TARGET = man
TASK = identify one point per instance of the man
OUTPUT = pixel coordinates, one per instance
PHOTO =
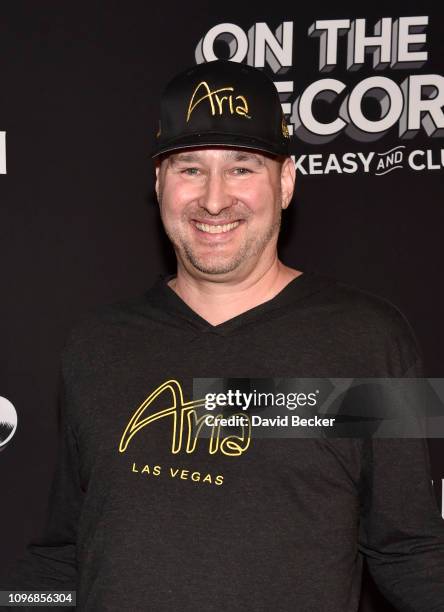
(224, 269)
(149, 512)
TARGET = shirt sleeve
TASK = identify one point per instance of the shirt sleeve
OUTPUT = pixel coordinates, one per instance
(49, 563)
(401, 529)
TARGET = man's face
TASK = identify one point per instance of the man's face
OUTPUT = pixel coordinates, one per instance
(221, 207)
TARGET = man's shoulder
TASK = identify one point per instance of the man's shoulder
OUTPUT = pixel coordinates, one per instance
(358, 305)
(100, 327)
(359, 317)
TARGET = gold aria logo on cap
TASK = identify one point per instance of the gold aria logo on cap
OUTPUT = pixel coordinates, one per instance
(218, 104)
(285, 131)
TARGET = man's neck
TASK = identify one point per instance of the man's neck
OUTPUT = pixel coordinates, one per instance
(217, 302)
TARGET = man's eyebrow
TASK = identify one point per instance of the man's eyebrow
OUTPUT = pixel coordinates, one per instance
(183, 157)
(231, 155)
(245, 156)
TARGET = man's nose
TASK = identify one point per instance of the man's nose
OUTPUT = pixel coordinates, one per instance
(216, 196)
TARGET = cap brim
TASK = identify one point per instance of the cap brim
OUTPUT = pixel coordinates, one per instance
(230, 140)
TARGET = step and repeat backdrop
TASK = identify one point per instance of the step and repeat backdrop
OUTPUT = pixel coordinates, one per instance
(362, 88)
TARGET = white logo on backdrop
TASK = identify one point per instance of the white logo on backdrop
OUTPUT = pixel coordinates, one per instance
(8, 421)
(414, 105)
(2, 152)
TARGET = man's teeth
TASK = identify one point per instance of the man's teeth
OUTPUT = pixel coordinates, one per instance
(216, 229)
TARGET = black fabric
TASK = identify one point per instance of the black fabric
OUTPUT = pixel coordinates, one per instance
(283, 526)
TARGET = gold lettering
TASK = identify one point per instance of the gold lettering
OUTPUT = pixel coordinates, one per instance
(234, 445)
(242, 109)
(220, 103)
(195, 425)
(207, 96)
(214, 99)
(183, 414)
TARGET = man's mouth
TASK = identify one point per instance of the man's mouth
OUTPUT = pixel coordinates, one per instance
(216, 229)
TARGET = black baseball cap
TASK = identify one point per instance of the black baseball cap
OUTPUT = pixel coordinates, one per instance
(222, 103)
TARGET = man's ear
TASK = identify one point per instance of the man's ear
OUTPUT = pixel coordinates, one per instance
(288, 179)
(157, 188)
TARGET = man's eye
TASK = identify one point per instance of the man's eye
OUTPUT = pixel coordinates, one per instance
(191, 171)
(241, 171)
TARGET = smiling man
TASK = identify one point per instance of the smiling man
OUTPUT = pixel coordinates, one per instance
(223, 178)
(238, 226)
(147, 513)
(221, 209)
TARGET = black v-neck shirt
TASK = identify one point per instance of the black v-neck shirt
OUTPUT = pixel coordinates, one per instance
(140, 521)
(299, 287)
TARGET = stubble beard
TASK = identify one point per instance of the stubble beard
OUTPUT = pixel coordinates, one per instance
(252, 248)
